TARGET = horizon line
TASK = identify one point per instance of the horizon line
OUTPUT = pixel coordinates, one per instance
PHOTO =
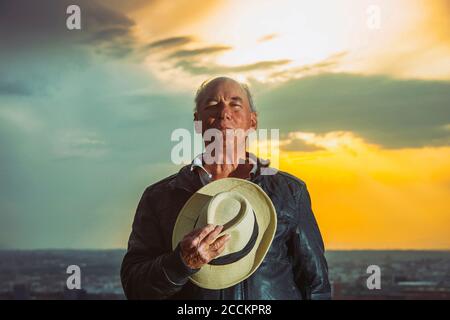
(124, 249)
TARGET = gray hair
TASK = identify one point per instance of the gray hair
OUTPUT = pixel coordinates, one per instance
(201, 92)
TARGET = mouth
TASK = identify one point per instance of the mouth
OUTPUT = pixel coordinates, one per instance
(223, 129)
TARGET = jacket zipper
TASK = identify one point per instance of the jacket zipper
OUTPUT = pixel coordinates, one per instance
(244, 290)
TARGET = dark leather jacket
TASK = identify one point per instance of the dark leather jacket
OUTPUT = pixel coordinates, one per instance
(294, 267)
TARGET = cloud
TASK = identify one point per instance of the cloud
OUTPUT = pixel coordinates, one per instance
(67, 117)
(171, 42)
(296, 144)
(34, 24)
(182, 68)
(268, 37)
(323, 66)
(330, 141)
(70, 144)
(110, 35)
(413, 42)
(14, 88)
(22, 118)
(160, 19)
(197, 68)
(391, 112)
(199, 51)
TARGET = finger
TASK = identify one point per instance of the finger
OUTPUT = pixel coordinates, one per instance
(212, 235)
(203, 233)
(219, 251)
(188, 239)
(220, 242)
(195, 232)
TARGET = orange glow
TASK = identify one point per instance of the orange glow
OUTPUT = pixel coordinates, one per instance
(366, 197)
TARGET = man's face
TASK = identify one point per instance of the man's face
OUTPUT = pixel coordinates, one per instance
(225, 106)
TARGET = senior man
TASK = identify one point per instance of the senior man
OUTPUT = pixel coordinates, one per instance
(292, 266)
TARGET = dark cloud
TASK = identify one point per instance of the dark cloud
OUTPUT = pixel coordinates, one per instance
(189, 60)
(14, 88)
(261, 65)
(171, 42)
(391, 112)
(199, 52)
(129, 5)
(197, 68)
(108, 34)
(97, 16)
(28, 24)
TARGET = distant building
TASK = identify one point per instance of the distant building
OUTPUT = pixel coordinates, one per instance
(75, 294)
(21, 291)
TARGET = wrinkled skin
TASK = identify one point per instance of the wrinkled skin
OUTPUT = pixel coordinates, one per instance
(202, 245)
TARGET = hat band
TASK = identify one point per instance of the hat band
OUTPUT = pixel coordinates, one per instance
(238, 255)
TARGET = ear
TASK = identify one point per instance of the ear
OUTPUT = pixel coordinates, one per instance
(254, 120)
(197, 124)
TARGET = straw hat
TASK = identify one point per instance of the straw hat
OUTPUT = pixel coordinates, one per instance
(247, 214)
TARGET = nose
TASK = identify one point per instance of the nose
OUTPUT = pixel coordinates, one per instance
(224, 111)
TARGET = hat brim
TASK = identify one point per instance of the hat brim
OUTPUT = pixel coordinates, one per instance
(224, 276)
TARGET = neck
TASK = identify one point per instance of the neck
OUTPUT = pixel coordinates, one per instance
(232, 169)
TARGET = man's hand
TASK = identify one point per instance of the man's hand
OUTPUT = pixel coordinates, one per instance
(201, 246)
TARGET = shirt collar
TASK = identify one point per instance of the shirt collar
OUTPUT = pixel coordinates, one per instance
(205, 176)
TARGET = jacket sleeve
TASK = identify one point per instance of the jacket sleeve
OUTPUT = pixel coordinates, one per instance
(310, 265)
(149, 271)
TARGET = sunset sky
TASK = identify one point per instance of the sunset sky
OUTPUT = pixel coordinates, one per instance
(363, 111)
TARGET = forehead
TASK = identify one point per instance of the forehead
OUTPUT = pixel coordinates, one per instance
(224, 88)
